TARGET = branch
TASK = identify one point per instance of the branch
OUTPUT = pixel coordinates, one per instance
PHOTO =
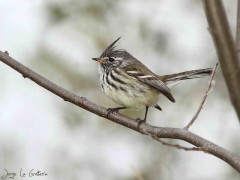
(179, 146)
(238, 33)
(210, 86)
(223, 40)
(159, 132)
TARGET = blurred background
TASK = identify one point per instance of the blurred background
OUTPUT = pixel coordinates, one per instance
(57, 39)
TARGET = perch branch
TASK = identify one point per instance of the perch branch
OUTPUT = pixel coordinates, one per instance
(159, 132)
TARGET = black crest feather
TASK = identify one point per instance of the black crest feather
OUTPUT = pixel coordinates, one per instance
(109, 49)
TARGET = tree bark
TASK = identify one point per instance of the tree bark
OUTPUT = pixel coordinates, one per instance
(226, 50)
(238, 33)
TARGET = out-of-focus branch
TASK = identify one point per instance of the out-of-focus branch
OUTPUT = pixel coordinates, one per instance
(158, 132)
(238, 33)
(226, 50)
(210, 86)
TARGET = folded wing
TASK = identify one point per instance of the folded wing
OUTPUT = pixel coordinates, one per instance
(149, 78)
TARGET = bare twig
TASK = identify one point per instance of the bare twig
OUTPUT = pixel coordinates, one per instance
(210, 86)
(226, 49)
(160, 132)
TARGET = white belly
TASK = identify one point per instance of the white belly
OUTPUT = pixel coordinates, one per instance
(136, 95)
(130, 99)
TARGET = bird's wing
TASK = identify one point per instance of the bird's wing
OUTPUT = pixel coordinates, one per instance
(146, 76)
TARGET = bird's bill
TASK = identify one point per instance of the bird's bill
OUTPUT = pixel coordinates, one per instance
(99, 60)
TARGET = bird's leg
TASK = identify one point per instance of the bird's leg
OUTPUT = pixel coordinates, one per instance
(112, 110)
(140, 121)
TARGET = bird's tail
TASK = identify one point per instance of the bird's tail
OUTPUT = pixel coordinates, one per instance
(173, 78)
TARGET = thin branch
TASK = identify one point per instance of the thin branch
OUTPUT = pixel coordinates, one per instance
(226, 49)
(160, 132)
(210, 87)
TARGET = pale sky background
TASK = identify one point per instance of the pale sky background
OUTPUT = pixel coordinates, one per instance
(34, 131)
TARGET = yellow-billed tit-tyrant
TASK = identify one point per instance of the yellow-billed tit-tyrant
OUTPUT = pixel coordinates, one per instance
(129, 83)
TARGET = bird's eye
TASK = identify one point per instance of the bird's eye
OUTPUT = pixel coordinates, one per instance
(111, 59)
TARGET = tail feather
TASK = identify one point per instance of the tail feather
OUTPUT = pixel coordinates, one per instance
(173, 78)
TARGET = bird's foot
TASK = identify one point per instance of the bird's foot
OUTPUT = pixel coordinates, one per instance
(113, 110)
(140, 121)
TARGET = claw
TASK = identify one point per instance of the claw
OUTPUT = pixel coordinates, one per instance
(114, 110)
(140, 121)
(111, 110)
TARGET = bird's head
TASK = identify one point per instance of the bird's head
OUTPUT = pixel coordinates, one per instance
(112, 58)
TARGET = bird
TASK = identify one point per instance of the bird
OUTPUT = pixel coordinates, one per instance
(129, 83)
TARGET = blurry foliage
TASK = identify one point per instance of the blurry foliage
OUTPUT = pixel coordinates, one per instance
(73, 118)
(157, 38)
(60, 71)
(94, 9)
(94, 18)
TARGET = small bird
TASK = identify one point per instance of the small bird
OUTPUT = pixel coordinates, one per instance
(128, 82)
